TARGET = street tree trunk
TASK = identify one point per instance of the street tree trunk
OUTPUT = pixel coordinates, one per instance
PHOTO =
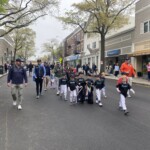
(102, 54)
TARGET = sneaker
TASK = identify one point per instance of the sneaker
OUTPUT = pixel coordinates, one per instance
(19, 107)
(129, 96)
(45, 89)
(37, 97)
(105, 96)
(126, 112)
(57, 93)
(14, 103)
(100, 104)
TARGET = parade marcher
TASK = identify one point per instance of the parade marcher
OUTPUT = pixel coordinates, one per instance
(72, 89)
(81, 88)
(89, 79)
(99, 85)
(123, 88)
(63, 86)
(102, 77)
(89, 92)
(38, 75)
(16, 78)
(47, 77)
(30, 68)
(127, 68)
(52, 79)
(58, 74)
(148, 71)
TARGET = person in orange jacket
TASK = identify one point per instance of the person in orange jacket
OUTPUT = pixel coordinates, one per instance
(127, 69)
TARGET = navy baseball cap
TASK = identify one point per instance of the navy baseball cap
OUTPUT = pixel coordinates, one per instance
(18, 59)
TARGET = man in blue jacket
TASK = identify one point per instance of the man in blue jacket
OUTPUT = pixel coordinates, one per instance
(16, 78)
(39, 74)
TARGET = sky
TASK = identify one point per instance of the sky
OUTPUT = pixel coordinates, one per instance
(48, 27)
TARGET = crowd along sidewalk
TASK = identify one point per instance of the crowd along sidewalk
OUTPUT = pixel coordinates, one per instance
(137, 80)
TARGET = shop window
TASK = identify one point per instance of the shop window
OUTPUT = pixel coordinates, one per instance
(146, 27)
(94, 45)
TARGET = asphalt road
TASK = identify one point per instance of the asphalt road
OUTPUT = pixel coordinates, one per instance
(52, 124)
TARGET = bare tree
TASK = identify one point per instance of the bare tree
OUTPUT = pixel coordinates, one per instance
(21, 13)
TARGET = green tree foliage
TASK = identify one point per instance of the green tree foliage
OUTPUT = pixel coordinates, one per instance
(24, 42)
(21, 13)
(100, 17)
(55, 49)
(3, 3)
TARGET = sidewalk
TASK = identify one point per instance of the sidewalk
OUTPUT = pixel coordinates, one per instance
(1, 75)
(140, 81)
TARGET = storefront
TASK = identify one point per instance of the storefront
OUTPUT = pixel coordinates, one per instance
(73, 60)
(114, 56)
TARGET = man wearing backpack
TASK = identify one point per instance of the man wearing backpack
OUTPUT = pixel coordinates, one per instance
(16, 78)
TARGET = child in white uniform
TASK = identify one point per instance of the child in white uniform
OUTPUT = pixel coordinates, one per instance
(72, 89)
(123, 88)
(63, 87)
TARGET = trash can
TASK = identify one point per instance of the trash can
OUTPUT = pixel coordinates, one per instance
(1, 69)
(139, 74)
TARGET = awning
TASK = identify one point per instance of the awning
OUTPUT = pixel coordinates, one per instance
(140, 53)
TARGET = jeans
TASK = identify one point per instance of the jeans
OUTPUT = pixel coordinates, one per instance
(39, 85)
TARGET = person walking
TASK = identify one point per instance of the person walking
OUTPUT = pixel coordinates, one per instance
(127, 68)
(16, 78)
(148, 71)
(47, 77)
(30, 67)
(38, 74)
(116, 69)
(58, 74)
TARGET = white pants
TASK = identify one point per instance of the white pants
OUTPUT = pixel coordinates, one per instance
(57, 84)
(122, 102)
(104, 91)
(63, 90)
(73, 96)
(98, 94)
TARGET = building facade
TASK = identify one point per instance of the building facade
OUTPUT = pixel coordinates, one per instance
(6, 48)
(142, 35)
(119, 44)
(73, 47)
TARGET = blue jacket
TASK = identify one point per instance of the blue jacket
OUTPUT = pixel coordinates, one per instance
(39, 71)
(17, 75)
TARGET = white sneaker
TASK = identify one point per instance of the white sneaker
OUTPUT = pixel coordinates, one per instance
(14, 103)
(105, 96)
(19, 107)
(57, 93)
(37, 97)
(100, 104)
(129, 96)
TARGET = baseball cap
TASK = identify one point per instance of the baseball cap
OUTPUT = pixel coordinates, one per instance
(18, 59)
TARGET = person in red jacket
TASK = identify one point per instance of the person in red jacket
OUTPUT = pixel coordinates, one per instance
(127, 69)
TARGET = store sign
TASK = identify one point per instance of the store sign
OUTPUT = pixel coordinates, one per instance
(72, 57)
(113, 52)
